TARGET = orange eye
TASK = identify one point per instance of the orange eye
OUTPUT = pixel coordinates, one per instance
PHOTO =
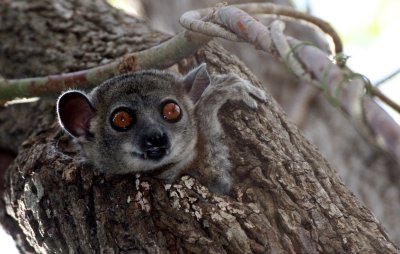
(121, 120)
(171, 112)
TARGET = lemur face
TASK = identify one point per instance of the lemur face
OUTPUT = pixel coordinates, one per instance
(146, 120)
(133, 123)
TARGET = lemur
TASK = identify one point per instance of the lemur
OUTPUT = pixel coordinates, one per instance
(158, 123)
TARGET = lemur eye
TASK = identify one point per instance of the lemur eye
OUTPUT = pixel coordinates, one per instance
(171, 112)
(121, 120)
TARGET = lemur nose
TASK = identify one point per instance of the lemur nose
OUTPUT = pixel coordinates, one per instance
(155, 139)
(155, 145)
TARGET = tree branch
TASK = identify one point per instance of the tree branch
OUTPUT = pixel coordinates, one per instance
(341, 87)
(159, 57)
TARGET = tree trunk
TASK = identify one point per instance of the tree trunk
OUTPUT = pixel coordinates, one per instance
(286, 197)
(369, 172)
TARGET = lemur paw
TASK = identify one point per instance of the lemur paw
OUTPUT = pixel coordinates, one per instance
(256, 92)
(252, 94)
(247, 92)
(232, 87)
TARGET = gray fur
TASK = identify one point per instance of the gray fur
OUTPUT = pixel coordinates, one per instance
(143, 92)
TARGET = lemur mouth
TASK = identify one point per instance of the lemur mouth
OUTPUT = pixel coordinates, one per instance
(155, 153)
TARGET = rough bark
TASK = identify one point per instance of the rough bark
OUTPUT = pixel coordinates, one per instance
(286, 197)
(369, 172)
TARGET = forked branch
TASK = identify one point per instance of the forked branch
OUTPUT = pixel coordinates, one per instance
(158, 57)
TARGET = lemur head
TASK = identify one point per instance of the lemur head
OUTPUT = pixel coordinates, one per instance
(136, 122)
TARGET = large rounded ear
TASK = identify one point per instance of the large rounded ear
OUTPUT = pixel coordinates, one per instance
(196, 81)
(75, 112)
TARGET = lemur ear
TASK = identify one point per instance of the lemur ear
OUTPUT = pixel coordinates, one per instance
(196, 81)
(75, 112)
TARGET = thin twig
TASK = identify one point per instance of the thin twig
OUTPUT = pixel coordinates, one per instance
(392, 75)
(376, 92)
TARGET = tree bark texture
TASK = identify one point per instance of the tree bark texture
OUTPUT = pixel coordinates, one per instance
(286, 199)
(369, 172)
